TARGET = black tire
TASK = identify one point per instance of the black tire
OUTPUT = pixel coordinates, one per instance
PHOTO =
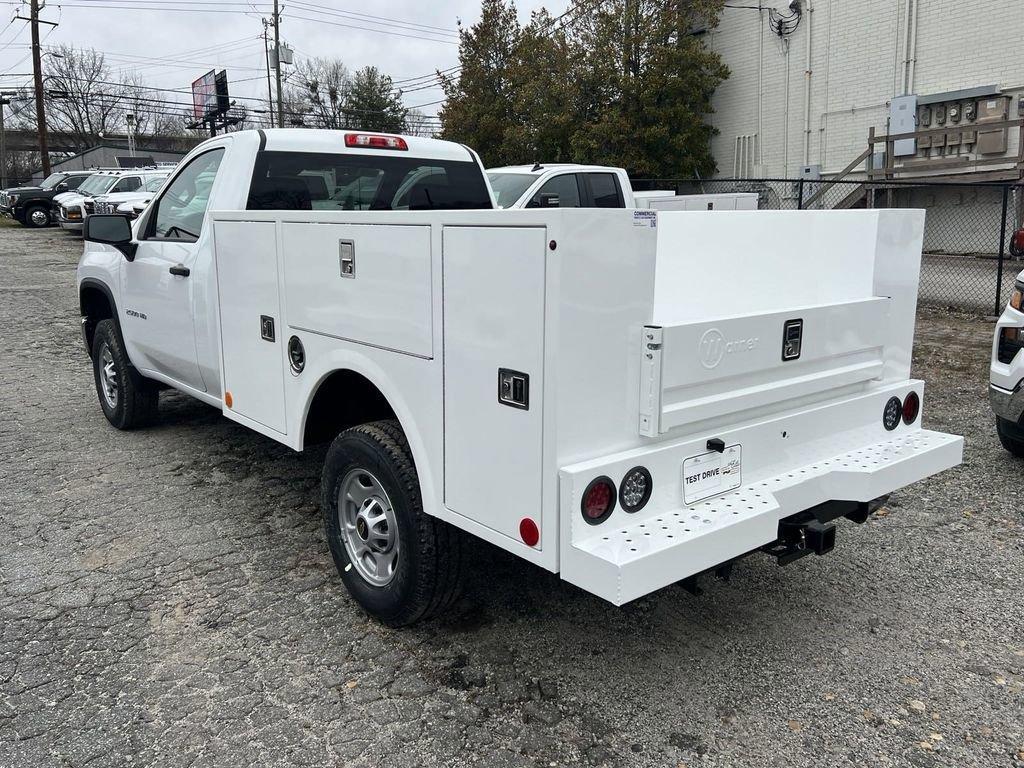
(1010, 437)
(38, 216)
(427, 574)
(135, 398)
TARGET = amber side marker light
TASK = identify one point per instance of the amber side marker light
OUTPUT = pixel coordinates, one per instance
(228, 400)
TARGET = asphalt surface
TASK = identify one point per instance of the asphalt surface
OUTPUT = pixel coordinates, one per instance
(166, 598)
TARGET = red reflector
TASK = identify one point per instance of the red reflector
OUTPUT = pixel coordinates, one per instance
(598, 500)
(911, 407)
(375, 141)
(528, 532)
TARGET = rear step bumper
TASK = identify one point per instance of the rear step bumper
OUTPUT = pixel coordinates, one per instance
(628, 561)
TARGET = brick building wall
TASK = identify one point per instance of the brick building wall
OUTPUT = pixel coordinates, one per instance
(857, 65)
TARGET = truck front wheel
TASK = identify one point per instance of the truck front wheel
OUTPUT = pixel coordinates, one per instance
(398, 563)
(128, 400)
(38, 216)
(1011, 436)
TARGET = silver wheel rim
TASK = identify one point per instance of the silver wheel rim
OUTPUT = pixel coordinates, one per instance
(39, 218)
(368, 527)
(108, 377)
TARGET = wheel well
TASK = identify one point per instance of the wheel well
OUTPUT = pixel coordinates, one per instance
(344, 399)
(96, 306)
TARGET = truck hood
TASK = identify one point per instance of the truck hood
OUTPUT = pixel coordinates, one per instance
(23, 190)
(117, 198)
(71, 198)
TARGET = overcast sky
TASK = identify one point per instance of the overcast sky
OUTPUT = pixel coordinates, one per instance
(159, 40)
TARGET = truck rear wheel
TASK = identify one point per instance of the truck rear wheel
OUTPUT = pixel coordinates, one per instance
(128, 400)
(38, 216)
(398, 563)
(1011, 436)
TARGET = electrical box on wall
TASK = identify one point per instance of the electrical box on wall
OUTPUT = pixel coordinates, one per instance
(903, 119)
(992, 141)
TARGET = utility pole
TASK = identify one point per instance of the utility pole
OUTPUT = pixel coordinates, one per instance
(277, 48)
(4, 101)
(266, 50)
(37, 74)
(130, 120)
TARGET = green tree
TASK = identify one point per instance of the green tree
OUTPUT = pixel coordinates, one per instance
(373, 104)
(545, 101)
(480, 101)
(647, 83)
(618, 82)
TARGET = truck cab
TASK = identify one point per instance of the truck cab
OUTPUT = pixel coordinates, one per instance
(561, 186)
(628, 398)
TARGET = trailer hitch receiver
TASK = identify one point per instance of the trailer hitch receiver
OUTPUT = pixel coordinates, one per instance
(801, 535)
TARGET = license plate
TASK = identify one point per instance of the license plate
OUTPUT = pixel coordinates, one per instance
(712, 473)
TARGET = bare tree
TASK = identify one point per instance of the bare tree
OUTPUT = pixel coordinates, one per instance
(418, 124)
(87, 101)
(320, 93)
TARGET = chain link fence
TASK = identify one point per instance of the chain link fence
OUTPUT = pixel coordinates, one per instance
(966, 263)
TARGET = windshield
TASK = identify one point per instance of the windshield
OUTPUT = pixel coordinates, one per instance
(351, 182)
(154, 184)
(52, 180)
(97, 185)
(509, 187)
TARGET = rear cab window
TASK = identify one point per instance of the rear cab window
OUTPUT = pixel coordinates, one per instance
(323, 181)
(604, 190)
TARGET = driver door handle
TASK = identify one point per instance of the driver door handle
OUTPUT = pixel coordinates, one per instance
(180, 270)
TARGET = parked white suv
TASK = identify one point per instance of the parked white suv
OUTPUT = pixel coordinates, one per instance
(73, 209)
(1006, 375)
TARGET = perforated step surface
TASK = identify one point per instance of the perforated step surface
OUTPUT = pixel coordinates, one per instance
(626, 544)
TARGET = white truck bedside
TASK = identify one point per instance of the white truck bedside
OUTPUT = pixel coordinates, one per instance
(625, 397)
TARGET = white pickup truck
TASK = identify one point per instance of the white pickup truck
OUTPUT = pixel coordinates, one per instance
(567, 185)
(628, 398)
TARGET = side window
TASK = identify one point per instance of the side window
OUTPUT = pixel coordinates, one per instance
(560, 192)
(604, 189)
(74, 182)
(127, 184)
(180, 210)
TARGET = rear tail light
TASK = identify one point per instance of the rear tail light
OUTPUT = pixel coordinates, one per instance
(375, 141)
(635, 490)
(892, 414)
(911, 408)
(598, 500)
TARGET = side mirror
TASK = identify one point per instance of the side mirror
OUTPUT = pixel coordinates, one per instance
(549, 200)
(110, 229)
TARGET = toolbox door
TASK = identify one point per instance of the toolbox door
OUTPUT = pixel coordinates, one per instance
(493, 374)
(250, 324)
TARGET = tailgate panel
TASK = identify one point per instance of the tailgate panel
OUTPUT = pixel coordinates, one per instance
(702, 370)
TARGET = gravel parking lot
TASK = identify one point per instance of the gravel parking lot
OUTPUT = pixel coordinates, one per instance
(167, 598)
